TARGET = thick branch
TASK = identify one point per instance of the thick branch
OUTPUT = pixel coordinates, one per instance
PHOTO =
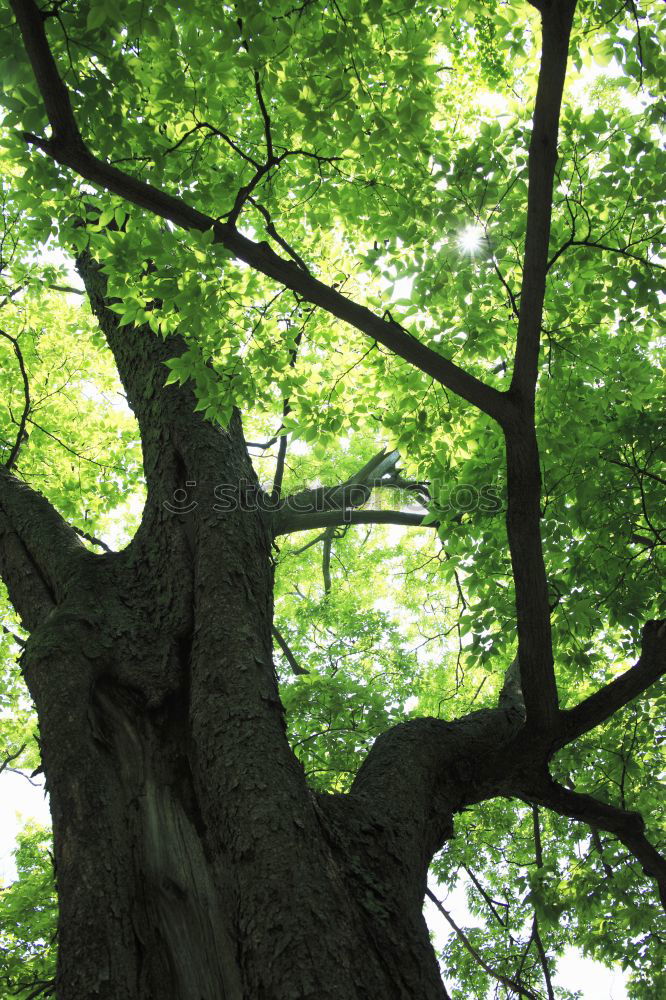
(290, 521)
(523, 522)
(67, 148)
(418, 774)
(523, 469)
(556, 20)
(629, 827)
(601, 705)
(326, 560)
(38, 550)
(20, 434)
(170, 429)
(337, 506)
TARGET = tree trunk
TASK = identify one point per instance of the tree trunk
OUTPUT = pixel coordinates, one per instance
(192, 861)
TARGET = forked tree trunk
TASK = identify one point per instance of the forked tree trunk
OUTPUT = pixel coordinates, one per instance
(192, 861)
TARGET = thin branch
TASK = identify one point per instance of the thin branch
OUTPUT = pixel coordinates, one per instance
(636, 469)
(286, 410)
(72, 451)
(14, 637)
(596, 840)
(272, 231)
(308, 545)
(288, 655)
(70, 289)
(593, 244)
(92, 539)
(217, 132)
(12, 757)
(538, 855)
(492, 903)
(510, 984)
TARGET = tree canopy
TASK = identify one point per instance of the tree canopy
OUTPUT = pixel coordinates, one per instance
(344, 210)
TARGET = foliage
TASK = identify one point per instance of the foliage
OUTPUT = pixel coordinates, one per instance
(370, 139)
(27, 919)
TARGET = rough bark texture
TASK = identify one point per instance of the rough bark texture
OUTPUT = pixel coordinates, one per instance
(192, 859)
(193, 862)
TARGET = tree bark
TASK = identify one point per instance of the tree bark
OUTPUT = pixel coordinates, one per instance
(192, 860)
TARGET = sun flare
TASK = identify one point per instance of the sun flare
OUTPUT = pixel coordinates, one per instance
(470, 239)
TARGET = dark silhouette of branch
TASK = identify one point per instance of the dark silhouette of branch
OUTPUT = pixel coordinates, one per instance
(92, 539)
(599, 847)
(21, 433)
(12, 757)
(556, 18)
(637, 470)
(68, 148)
(212, 130)
(326, 559)
(15, 638)
(541, 951)
(286, 410)
(596, 245)
(68, 288)
(72, 451)
(491, 903)
(535, 648)
(272, 232)
(601, 705)
(288, 655)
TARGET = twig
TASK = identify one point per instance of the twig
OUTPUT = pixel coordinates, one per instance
(12, 757)
(289, 656)
(92, 539)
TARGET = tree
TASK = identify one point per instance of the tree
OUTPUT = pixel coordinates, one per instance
(265, 204)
